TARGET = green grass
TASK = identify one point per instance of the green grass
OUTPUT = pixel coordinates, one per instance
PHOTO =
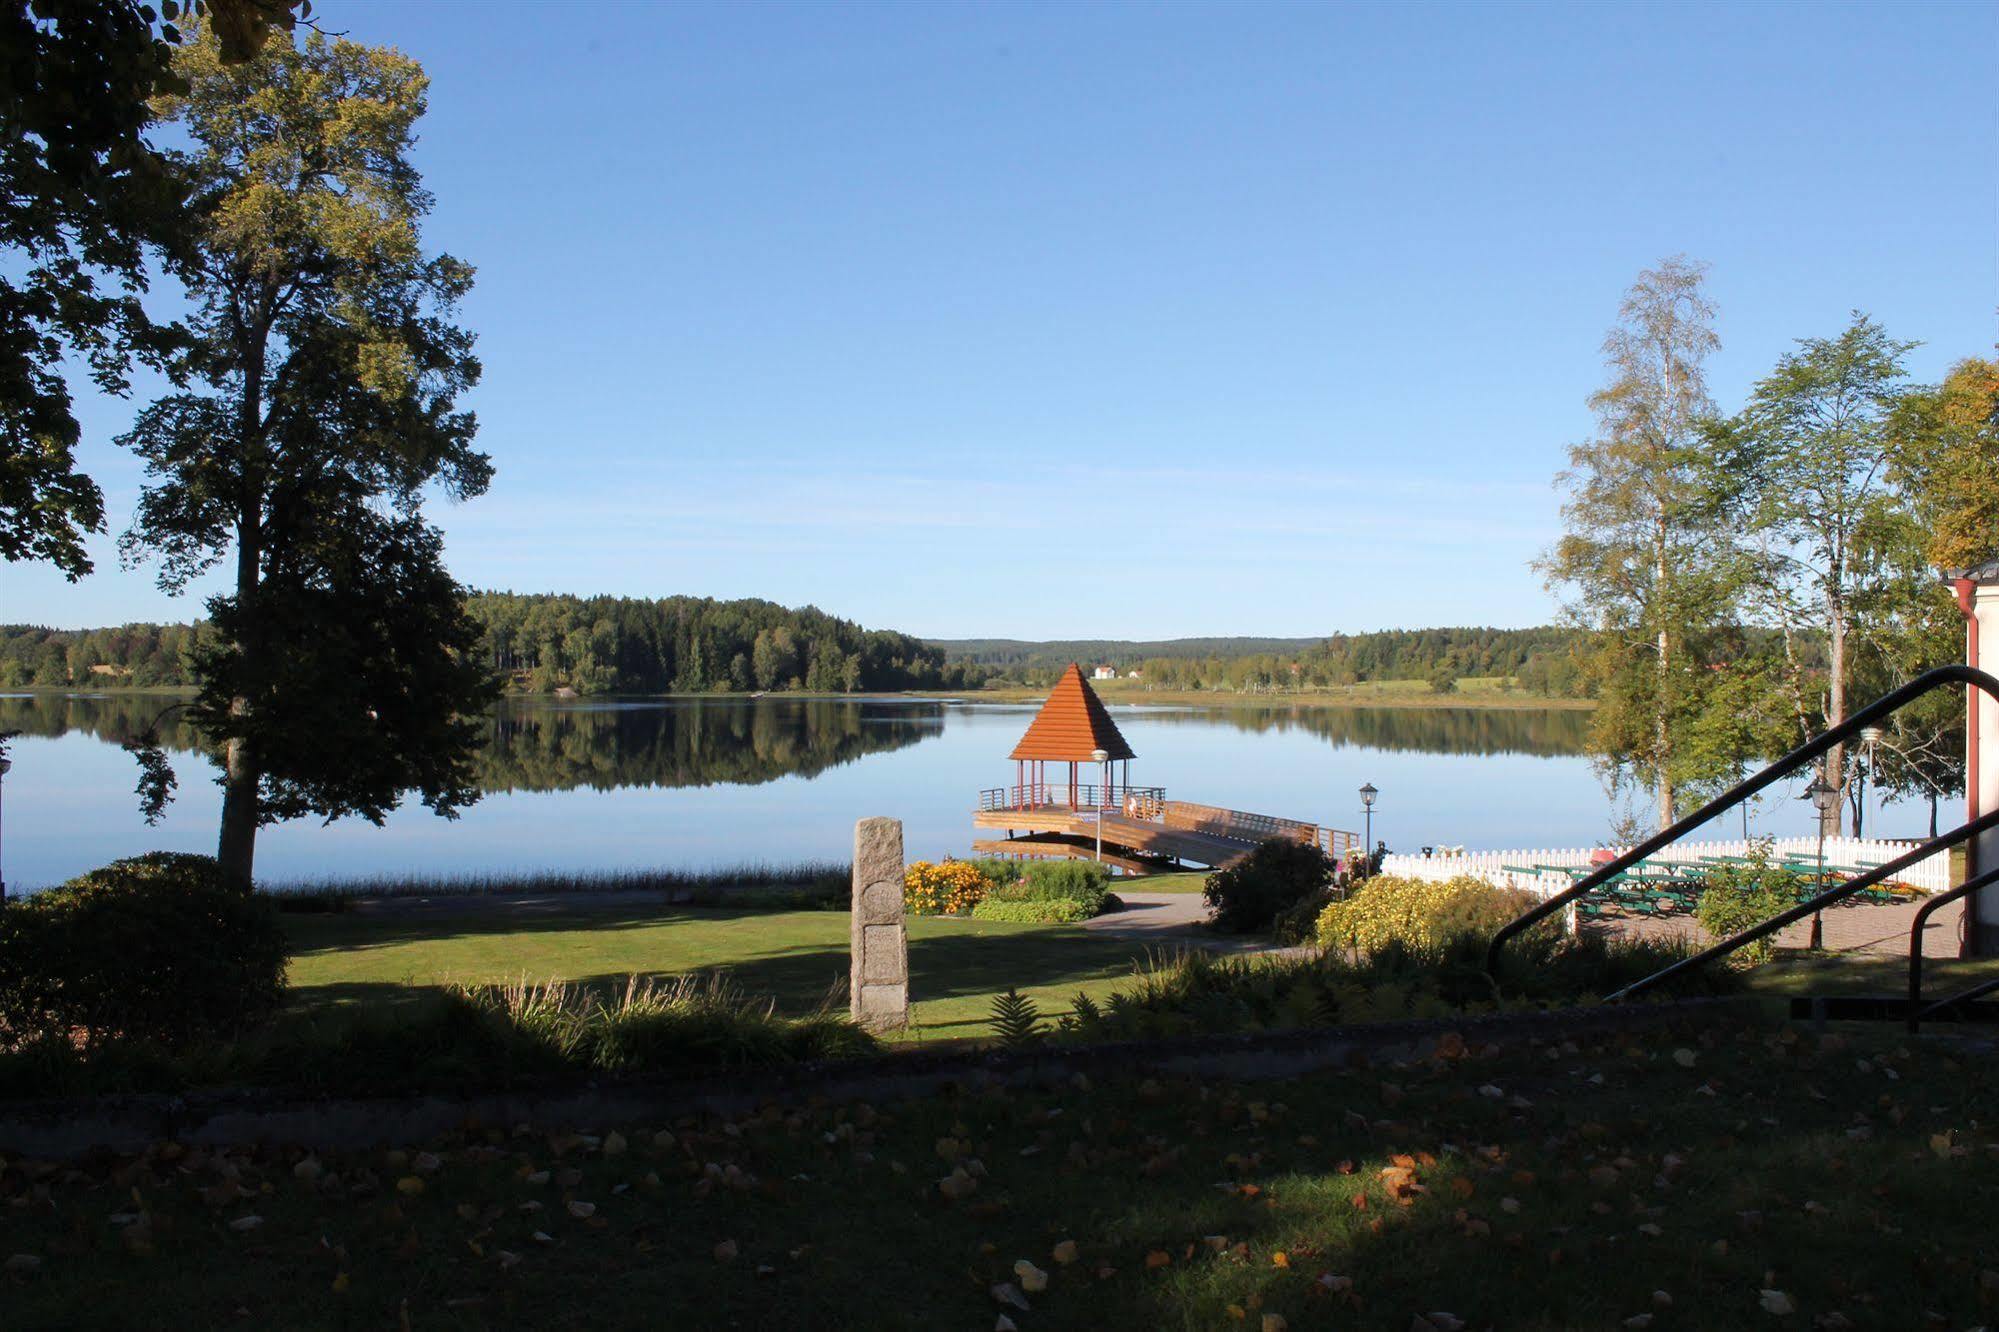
(1848, 1176)
(956, 966)
(1188, 881)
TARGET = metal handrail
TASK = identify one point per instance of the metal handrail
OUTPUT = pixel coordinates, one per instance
(1964, 832)
(1923, 913)
(1884, 706)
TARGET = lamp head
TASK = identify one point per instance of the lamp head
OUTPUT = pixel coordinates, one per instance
(1822, 796)
(1099, 756)
(1367, 795)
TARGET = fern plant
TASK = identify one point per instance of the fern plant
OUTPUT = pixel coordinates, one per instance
(1016, 1021)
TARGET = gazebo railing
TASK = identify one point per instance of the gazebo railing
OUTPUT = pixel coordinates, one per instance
(1088, 795)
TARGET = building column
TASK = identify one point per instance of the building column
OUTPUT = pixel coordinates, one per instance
(1982, 755)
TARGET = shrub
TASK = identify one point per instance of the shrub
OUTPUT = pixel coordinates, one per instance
(1052, 911)
(1250, 894)
(153, 949)
(1016, 1021)
(950, 889)
(1299, 922)
(1198, 992)
(1418, 913)
(1739, 896)
(659, 1026)
(1082, 884)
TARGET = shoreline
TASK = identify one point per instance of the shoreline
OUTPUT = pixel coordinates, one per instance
(1112, 695)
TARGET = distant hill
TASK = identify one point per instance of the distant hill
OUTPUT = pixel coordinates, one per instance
(1122, 653)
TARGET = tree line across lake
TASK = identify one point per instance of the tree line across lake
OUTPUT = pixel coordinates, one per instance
(542, 643)
(691, 645)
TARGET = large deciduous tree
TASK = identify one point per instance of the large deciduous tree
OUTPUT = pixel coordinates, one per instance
(344, 670)
(82, 196)
(1809, 461)
(1640, 565)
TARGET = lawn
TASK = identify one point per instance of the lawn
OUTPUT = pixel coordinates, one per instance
(1750, 1177)
(371, 955)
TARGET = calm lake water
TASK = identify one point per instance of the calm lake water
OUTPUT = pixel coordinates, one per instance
(696, 783)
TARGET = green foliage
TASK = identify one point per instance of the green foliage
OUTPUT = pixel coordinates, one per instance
(1252, 893)
(156, 949)
(81, 196)
(458, 1040)
(696, 645)
(1740, 896)
(1542, 659)
(1084, 882)
(315, 407)
(1389, 911)
(1032, 911)
(1201, 993)
(1016, 1022)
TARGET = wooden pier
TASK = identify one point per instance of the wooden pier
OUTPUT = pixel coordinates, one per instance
(1134, 828)
(1142, 831)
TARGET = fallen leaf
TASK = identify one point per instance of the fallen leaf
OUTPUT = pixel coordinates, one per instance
(1008, 1293)
(1065, 1252)
(615, 1144)
(246, 1224)
(409, 1186)
(1684, 1057)
(582, 1210)
(1032, 1279)
(1776, 1302)
(726, 1251)
(23, 1264)
(1157, 1258)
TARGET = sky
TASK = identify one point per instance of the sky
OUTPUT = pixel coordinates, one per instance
(1135, 321)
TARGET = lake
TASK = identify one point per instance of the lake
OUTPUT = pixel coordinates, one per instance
(697, 783)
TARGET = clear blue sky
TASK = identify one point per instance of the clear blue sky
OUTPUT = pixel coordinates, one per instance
(1062, 321)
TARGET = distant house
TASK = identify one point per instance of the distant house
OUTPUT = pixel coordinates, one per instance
(1104, 673)
(1134, 674)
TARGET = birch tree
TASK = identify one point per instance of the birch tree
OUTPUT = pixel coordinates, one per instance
(1809, 461)
(1640, 565)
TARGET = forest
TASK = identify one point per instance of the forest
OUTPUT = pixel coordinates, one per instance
(545, 643)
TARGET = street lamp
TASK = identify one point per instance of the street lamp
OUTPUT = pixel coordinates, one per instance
(5, 765)
(1824, 798)
(1870, 736)
(1103, 761)
(1367, 795)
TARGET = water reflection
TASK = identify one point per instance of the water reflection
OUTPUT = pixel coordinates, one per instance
(538, 745)
(1544, 732)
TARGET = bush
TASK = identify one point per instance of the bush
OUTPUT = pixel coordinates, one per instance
(950, 889)
(1050, 911)
(1418, 913)
(1083, 882)
(153, 949)
(1201, 993)
(1739, 896)
(1299, 923)
(1250, 894)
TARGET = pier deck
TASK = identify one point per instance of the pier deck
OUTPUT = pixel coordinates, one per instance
(1142, 828)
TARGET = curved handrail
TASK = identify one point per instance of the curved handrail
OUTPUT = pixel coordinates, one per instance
(1884, 706)
(1923, 913)
(1964, 832)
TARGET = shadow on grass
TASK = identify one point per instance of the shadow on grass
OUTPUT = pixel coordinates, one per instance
(801, 977)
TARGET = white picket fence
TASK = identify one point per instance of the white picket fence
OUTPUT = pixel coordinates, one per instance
(1930, 875)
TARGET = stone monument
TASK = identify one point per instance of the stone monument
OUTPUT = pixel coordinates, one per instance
(879, 981)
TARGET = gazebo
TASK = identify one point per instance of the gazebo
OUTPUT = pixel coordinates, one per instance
(1073, 727)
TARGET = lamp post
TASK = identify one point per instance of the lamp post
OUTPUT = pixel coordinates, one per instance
(1367, 795)
(1870, 736)
(1103, 762)
(1823, 796)
(5, 764)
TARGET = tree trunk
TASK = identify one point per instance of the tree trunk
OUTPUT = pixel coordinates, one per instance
(1662, 716)
(1835, 759)
(236, 847)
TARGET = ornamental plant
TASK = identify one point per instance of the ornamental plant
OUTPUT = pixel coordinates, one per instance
(1418, 914)
(952, 888)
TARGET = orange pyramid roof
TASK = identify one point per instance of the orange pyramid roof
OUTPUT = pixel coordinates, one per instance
(1071, 725)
